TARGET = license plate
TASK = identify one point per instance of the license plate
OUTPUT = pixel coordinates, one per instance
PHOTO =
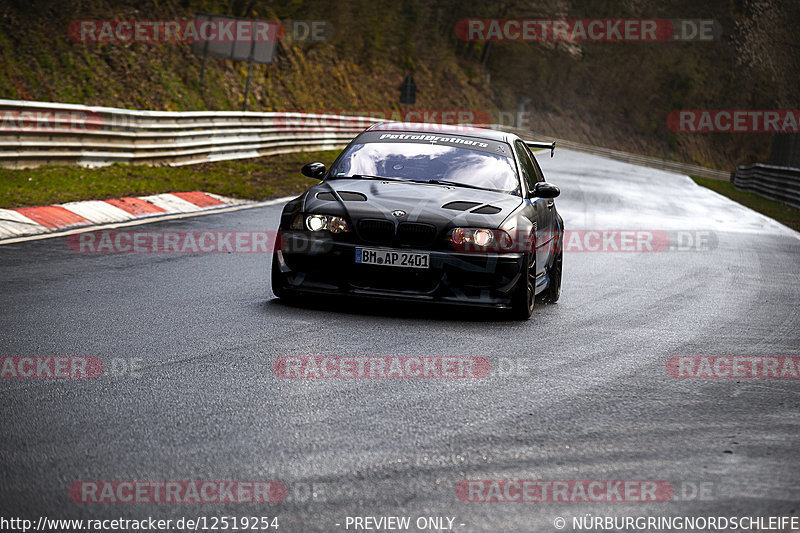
(395, 258)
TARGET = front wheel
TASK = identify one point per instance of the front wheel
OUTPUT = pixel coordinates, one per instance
(523, 299)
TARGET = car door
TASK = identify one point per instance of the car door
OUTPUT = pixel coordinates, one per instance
(538, 206)
(547, 226)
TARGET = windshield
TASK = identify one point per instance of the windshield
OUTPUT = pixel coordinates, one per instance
(426, 162)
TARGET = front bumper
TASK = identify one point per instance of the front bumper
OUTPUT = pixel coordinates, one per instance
(309, 264)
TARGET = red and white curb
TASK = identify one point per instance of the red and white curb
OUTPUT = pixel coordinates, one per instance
(28, 223)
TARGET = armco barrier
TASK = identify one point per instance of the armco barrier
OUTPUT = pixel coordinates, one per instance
(33, 134)
(781, 184)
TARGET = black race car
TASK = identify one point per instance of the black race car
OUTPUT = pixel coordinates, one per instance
(425, 212)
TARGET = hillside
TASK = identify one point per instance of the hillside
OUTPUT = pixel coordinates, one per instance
(611, 94)
(355, 70)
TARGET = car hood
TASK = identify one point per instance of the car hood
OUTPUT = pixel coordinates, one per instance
(441, 205)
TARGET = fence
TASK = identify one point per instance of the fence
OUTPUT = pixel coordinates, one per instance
(33, 134)
(781, 184)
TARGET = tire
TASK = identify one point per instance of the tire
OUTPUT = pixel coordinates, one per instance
(553, 291)
(287, 296)
(277, 285)
(523, 299)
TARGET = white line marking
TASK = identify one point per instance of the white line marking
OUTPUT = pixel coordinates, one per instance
(13, 223)
(225, 199)
(783, 227)
(171, 203)
(98, 211)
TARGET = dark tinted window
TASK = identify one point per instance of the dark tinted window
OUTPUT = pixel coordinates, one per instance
(528, 170)
(423, 162)
(536, 167)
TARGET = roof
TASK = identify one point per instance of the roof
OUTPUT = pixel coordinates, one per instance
(428, 127)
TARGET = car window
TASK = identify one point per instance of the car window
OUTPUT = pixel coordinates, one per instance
(424, 162)
(536, 167)
(525, 163)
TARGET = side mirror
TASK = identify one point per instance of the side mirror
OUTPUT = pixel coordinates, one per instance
(313, 170)
(542, 189)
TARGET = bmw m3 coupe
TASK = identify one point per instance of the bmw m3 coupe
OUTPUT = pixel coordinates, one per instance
(429, 213)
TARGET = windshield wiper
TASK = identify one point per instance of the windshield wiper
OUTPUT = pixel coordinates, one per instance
(435, 182)
(444, 182)
(369, 177)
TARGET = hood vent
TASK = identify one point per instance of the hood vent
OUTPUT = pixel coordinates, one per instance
(352, 196)
(344, 195)
(460, 206)
(487, 210)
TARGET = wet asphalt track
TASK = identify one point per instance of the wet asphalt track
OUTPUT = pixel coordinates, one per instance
(579, 392)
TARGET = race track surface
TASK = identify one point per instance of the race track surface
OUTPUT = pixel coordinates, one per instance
(580, 392)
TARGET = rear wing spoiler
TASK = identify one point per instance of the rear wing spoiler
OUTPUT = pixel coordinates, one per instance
(549, 146)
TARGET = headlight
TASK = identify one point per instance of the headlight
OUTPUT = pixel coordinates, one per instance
(483, 237)
(316, 222)
(480, 240)
(326, 222)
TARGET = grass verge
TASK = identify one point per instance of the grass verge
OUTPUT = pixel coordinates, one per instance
(253, 179)
(783, 213)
